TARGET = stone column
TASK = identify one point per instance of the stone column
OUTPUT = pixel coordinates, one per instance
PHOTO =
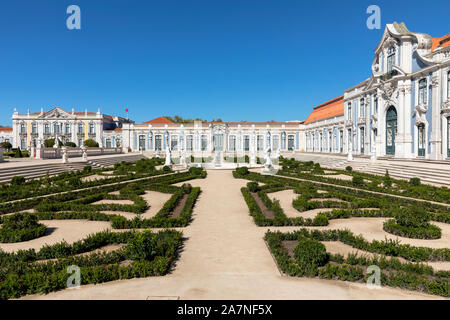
(435, 139)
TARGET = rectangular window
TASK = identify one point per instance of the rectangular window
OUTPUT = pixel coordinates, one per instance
(174, 143)
(276, 142)
(232, 146)
(80, 129)
(361, 139)
(375, 105)
(80, 142)
(118, 142)
(33, 128)
(349, 111)
(260, 142)
(448, 85)
(204, 143)
(158, 141)
(290, 142)
(423, 91)
(23, 129)
(361, 108)
(91, 128)
(46, 129)
(142, 142)
(246, 143)
(23, 144)
(67, 128)
(391, 59)
(56, 128)
(189, 143)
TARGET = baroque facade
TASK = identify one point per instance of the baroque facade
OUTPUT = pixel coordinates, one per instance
(402, 110)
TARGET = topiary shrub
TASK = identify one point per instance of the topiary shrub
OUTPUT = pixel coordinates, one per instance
(387, 181)
(70, 144)
(414, 182)
(141, 247)
(187, 188)
(91, 143)
(166, 169)
(49, 143)
(18, 153)
(195, 170)
(6, 145)
(413, 222)
(87, 169)
(242, 171)
(310, 254)
(253, 186)
(357, 181)
(21, 227)
(348, 169)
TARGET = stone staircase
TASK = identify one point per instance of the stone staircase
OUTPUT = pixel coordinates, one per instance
(36, 171)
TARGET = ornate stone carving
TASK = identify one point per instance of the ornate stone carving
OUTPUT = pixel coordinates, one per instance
(420, 112)
(388, 90)
(434, 82)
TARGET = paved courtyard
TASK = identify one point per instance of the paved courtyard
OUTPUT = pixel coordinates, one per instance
(225, 257)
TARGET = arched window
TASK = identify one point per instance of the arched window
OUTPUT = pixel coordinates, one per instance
(423, 91)
(390, 59)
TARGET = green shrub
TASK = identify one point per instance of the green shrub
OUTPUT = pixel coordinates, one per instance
(187, 188)
(348, 169)
(253, 186)
(21, 227)
(17, 181)
(310, 253)
(387, 181)
(87, 169)
(18, 153)
(414, 181)
(242, 171)
(166, 169)
(70, 144)
(6, 145)
(49, 143)
(413, 216)
(195, 170)
(91, 143)
(357, 181)
(141, 247)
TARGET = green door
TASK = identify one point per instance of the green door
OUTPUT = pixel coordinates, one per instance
(421, 140)
(448, 137)
(391, 130)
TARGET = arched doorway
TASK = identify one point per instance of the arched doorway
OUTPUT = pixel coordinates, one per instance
(391, 130)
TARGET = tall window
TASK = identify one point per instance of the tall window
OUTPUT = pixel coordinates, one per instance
(67, 128)
(232, 146)
(423, 91)
(189, 143)
(361, 139)
(391, 59)
(158, 142)
(91, 128)
(448, 85)
(204, 142)
(349, 111)
(118, 142)
(421, 140)
(34, 128)
(80, 128)
(276, 142)
(22, 128)
(46, 129)
(361, 108)
(260, 142)
(375, 105)
(56, 128)
(23, 144)
(246, 143)
(174, 143)
(290, 142)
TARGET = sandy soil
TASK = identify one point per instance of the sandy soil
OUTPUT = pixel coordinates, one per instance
(59, 230)
(156, 201)
(94, 177)
(225, 257)
(338, 176)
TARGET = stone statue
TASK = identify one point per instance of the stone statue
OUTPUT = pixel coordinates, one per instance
(350, 151)
(65, 157)
(218, 160)
(56, 145)
(268, 162)
(168, 161)
(183, 158)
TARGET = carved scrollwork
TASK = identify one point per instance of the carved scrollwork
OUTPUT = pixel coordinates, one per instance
(420, 112)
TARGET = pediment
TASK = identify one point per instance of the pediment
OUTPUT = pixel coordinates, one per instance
(56, 113)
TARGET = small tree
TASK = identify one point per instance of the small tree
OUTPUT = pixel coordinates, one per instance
(6, 145)
(70, 144)
(415, 182)
(252, 186)
(348, 168)
(18, 153)
(387, 181)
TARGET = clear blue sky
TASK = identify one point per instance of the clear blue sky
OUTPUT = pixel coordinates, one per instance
(253, 60)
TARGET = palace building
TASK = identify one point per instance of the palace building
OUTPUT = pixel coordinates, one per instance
(402, 110)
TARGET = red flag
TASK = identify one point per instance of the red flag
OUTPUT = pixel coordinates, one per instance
(126, 110)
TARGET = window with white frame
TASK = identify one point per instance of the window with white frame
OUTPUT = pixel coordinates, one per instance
(46, 128)
(349, 111)
(391, 59)
(22, 128)
(33, 128)
(189, 143)
(91, 128)
(23, 144)
(260, 142)
(204, 143)
(67, 129)
(276, 142)
(80, 128)
(375, 105)
(232, 145)
(174, 143)
(448, 85)
(361, 108)
(423, 91)
(158, 142)
(291, 142)
(246, 143)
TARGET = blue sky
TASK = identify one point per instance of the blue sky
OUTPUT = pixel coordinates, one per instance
(254, 60)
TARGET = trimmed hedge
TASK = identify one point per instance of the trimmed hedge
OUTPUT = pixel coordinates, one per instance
(21, 227)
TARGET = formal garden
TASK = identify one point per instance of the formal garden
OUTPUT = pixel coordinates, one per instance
(128, 199)
(349, 221)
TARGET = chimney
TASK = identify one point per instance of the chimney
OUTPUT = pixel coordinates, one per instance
(42, 111)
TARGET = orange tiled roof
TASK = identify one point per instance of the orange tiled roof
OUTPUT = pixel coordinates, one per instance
(117, 129)
(159, 120)
(331, 108)
(5, 129)
(441, 42)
